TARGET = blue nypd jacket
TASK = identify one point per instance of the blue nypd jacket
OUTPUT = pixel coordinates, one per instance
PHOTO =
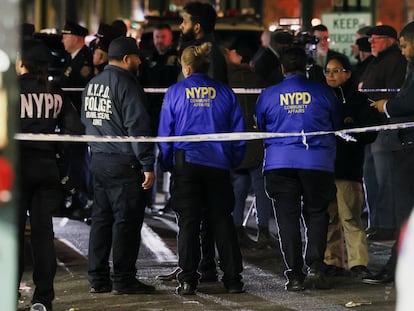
(201, 105)
(294, 105)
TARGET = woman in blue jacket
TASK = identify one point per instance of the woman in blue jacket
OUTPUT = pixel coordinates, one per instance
(202, 188)
(300, 169)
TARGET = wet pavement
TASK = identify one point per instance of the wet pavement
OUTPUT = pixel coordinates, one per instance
(263, 277)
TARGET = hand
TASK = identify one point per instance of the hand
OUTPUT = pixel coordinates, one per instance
(379, 105)
(149, 180)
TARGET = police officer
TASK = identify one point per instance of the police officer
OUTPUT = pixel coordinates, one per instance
(297, 167)
(42, 109)
(114, 104)
(77, 72)
(202, 186)
(160, 69)
(78, 68)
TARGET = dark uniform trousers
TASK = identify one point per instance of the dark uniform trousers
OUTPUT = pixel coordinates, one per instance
(403, 175)
(205, 193)
(117, 218)
(288, 188)
(40, 194)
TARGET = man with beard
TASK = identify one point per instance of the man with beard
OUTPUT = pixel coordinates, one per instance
(197, 27)
(113, 103)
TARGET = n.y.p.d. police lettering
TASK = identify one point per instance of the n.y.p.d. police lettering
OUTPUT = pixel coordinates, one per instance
(200, 96)
(98, 105)
(40, 105)
(295, 102)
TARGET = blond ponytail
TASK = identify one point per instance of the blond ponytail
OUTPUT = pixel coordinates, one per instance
(197, 57)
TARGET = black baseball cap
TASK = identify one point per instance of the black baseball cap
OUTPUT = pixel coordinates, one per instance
(122, 46)
(383, 30)
(72, 28)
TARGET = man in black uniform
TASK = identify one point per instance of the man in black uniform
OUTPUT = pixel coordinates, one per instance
(114, 104)
(42, 108)
(77, 72)
(160, 69)
(78, 68)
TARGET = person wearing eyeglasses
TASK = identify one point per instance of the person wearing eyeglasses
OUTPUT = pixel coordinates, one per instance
(382, 78)
(345, 223)
(400, 109)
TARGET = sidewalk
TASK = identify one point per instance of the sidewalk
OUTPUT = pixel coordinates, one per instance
(262, 275)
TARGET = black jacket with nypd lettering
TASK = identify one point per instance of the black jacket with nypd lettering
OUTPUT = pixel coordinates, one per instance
(43, 110)
(114, 104)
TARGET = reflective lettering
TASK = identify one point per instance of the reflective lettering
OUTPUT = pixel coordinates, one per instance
(41, 105)
(201, 92)
(296, 98)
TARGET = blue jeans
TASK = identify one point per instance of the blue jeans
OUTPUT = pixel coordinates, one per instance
(241, 184)
(378, 168)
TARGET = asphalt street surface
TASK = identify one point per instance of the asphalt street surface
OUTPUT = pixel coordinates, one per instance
(263, 277)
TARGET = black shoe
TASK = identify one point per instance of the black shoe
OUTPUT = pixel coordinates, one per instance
(332, 270)
(294, 285)
(208, 276)
(235, 287)
(100, 289)
(185, 289)
(136, 287)
(360, 272)
(317, 279)
(169, 277)
(380, 278)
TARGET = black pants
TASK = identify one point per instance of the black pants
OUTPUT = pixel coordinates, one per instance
(288, 188)
(403, 176)
(201, 192)
(117, 217)
(40, 194)
(77, 162)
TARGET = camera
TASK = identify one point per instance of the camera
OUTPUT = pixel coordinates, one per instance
(306, 41)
